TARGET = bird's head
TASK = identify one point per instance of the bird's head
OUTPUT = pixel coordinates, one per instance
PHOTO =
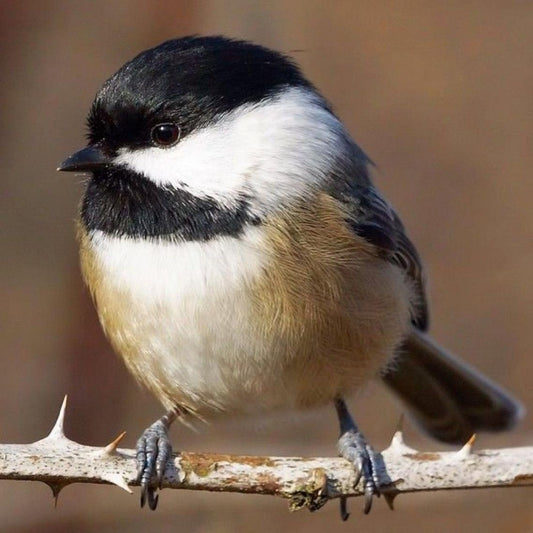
(202, 135)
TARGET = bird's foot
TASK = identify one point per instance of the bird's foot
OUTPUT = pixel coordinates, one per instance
(353, 447)
(153, 452)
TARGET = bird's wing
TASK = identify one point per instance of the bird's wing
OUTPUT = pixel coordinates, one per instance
(446, 397)
(371, 217)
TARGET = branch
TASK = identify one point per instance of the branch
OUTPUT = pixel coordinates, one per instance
(306, 482)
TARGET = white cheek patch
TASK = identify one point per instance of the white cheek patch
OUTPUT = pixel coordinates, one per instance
(271, 152)
(201, 164)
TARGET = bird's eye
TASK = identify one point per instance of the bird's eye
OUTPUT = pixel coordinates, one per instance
(166, 134)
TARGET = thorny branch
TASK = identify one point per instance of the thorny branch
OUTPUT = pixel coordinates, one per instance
(305, 482)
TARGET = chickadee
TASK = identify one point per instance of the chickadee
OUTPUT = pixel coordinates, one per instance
(242, 261)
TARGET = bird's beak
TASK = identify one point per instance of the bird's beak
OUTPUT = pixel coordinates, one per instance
(85, 160)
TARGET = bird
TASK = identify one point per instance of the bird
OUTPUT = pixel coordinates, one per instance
(242, 261)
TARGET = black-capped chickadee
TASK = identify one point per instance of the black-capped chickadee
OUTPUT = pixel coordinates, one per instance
(242, 261)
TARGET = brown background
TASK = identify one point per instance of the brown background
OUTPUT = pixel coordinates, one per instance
(440, 96)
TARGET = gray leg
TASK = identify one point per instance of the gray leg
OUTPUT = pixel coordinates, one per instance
(153, 451)
(352, 446)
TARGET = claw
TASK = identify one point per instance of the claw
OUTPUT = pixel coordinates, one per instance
(153, 452)
(353, 447)
(149, 494)
(144, 489)
(369, 496)
(153, 498)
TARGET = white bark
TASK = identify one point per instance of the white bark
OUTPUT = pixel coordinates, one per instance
(306, 482)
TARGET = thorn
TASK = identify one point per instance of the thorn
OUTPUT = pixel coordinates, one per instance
(118, 480)
(399, 426)
(343, 508)
(111, 448)
(389, 498)
(56, 489)
(57, 431)
(397, 444)
(466, 450)
(397, 439)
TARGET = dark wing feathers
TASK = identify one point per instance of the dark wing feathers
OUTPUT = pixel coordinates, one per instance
(371, 217)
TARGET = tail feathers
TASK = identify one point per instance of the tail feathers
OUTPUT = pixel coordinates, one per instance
(447, 398)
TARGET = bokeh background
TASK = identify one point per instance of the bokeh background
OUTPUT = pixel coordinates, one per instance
(440, 95)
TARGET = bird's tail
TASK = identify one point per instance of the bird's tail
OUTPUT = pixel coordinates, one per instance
(449, 399)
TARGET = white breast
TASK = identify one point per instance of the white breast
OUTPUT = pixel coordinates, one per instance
(186, 314)
(189, 271)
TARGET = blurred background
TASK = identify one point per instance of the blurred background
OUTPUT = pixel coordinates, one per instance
(439, 94)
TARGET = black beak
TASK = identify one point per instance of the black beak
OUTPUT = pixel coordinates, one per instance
(85, 160)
